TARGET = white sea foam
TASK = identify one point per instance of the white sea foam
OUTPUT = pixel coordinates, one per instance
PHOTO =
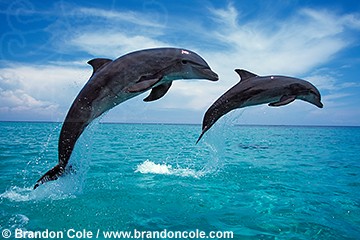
(18, 221)
(18, 194)
(61, 189)
(149, 167)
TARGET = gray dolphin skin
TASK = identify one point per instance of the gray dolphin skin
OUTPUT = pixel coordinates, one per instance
(114, 82)
(254, 90)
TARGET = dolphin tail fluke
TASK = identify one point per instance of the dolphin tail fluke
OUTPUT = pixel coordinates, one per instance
(50, 175)
(202, 134)
(200, 137)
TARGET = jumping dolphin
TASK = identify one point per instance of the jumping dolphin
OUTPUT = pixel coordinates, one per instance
(114, 82)
(254, 90)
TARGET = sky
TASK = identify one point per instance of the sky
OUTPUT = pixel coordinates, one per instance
(45, 46)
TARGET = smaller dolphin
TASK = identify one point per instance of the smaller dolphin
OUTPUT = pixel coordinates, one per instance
(254, 90)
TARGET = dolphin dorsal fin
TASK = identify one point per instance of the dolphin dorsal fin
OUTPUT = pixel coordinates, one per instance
(97, 63)
(244, 75)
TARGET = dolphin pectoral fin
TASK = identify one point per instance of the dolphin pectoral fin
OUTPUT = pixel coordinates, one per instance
(97, 63)
(143, 85)
(158, 92)
(283, 101)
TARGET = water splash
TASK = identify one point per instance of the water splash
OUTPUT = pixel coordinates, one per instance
(63, 188)
(66, 186)
(149, 167)
(17, 221)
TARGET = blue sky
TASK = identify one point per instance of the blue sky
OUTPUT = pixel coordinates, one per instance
(45, 46)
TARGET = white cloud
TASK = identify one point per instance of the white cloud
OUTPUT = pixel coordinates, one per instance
(112, 44)
(331, 83)
(141, 19)
(44, 90)
(114, 33)
(290, 46)
(20, 99)
(18, 102)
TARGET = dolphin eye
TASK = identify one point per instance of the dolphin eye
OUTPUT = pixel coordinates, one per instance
(184, 62)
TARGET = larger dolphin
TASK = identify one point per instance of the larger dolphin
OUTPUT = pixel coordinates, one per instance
(254, 90)
(114, 82)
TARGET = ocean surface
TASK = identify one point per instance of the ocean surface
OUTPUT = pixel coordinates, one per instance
(260, 182)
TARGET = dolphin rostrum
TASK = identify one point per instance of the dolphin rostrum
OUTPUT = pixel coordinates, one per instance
(254, 90)
(115, 81)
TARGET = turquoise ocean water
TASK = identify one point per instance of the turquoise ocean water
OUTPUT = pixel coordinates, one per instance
(261, 182)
